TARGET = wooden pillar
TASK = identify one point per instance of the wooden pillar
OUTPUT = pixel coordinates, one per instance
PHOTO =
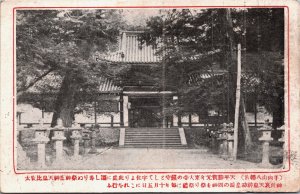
(95, 112)
(111, 120)
(179, 120)
(125, 110)
(121, 110)
(190, 119)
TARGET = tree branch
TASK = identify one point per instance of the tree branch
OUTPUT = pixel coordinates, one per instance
(21, 91)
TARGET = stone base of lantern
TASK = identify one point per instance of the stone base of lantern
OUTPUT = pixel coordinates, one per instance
(58, 149)
(224, 154)
(76, 149)
(230, 150)
(284, 155)
(41, 149)
(22, 160)
(93, 149)
(265, 155)
(85, 146)
(221, 143)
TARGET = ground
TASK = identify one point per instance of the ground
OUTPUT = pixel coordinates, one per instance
(113, 158)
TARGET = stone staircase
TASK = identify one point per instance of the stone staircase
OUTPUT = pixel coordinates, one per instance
(154, 138)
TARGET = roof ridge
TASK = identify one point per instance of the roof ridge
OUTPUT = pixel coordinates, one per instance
(132, 31)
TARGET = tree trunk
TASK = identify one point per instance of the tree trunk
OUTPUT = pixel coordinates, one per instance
(65, 101)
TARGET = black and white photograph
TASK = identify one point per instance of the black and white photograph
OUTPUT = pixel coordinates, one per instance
(150, 89)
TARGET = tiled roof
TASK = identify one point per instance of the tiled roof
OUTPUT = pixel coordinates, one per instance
(107, 85)
(132, 51)
(53, 81)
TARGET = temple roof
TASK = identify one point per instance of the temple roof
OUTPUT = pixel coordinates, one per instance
(132, 51)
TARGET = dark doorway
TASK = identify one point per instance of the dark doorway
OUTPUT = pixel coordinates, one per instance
(145, 112)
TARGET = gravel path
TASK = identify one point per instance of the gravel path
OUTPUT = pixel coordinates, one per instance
(147, 159)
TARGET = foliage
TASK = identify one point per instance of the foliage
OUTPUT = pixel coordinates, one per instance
(193, 40)
(59, 41)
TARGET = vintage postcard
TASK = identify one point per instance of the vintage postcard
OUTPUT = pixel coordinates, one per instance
(150, 96)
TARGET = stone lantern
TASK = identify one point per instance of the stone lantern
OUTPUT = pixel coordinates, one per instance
(214, 143)
(58, 137)
(266, 139)
(76, 136)
(230, 139)
(221, 139)
(225, 142)
(41, 139)
(85, 138)
(93, 136)
(282, 140)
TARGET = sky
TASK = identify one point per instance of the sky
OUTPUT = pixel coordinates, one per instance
(138, 17)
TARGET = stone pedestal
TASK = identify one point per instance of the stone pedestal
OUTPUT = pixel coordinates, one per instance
(214, 142)
(58, 137)
(93, 149)
(282, 140)
(76, 136)
(266, 138)
(41, 140)
(225, 142)
(230, 139)
(221, 141)
(86, 138)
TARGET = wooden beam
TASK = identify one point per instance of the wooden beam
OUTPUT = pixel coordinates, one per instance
(237, 103)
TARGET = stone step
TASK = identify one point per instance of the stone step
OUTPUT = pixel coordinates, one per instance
(151, 135)
(149, 131)
(147, 138)
(152, 138)
(153, 143)
(152, 130)
(161, 142)
(156, 147)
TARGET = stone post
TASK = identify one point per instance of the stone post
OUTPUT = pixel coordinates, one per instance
(41, 140)
(93, 149)
(76, 137)
(214, 142)
(266, 138)
(230, 139)
(58, 137)
(86, 138)
(221, 143)
(224, 153)
(282, 140)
